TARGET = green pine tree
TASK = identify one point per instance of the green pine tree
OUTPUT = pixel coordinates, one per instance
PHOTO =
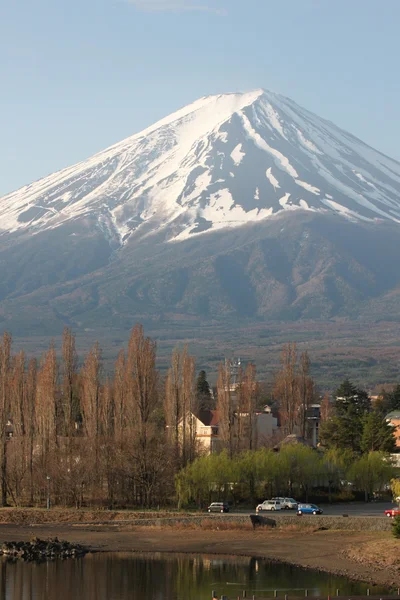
(377, 434)
(392, 400)
(203, 392)
(345, 428)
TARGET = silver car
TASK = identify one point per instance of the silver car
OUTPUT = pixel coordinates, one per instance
(288, 503)
(269, 505)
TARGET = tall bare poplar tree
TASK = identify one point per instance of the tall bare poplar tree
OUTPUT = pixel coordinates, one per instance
(306, 390)
(142, 399)
(30, 419)
(120, 408)
(189, 406)
(69, 373)
(46, 405)
(173, 405)
(90, 396)
(18, 417)
(5, 374)
(142, 381)
(107, 414)
(225, 408)
(286, 390)
(90, 376)
(179, 405)
(249, 391)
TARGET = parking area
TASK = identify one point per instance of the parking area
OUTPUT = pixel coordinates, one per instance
(354, 509)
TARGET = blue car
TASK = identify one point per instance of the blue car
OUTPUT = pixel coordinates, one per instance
(309, 509)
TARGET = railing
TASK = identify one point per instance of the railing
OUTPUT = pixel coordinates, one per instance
(296, 596)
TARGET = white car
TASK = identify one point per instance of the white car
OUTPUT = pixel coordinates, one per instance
(287, 503)
(269, 505)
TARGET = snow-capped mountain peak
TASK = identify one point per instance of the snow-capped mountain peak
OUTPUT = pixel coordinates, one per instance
(220, 162)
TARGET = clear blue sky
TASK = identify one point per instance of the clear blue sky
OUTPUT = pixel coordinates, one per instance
(79, 75)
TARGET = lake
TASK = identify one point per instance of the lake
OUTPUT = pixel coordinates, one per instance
(122, 576)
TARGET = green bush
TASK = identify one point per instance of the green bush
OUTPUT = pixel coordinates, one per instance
(396, 527)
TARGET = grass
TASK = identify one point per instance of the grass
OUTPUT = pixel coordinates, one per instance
(37, 516)
(216, 524)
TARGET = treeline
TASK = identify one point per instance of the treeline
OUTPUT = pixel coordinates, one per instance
(129, 438)
(109, 440)
(87, 438)
(295, 471)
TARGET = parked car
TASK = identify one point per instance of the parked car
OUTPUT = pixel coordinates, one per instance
(269, 505)
(221, 507)
(309, 509)
(392, 512)
(287, 503)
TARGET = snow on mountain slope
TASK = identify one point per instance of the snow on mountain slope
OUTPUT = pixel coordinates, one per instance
(220, 162)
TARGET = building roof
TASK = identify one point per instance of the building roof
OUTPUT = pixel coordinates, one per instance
(209, 418)
(292, 440)
(395, 414)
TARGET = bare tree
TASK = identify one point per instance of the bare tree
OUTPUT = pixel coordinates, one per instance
(189, 406)
(30, 419)
(46, 405)
(286, 389)
(69, 368)
(5, 373)
(180, 406)
(18, 452)
(142, 401)
(174, 414)
(120, 397)
(249, 394)
(306, 390)
(225, 407)
(326, 408)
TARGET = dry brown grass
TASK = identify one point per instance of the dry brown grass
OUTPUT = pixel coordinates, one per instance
(204, 525)
(381, 553)
(297, 527)
(215, 524)
(34, 516)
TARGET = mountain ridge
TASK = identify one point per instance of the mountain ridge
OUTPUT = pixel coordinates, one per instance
(220, 162)
(238, 208)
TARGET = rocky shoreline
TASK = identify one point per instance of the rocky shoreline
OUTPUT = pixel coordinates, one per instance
(40, 550)
(360, 555)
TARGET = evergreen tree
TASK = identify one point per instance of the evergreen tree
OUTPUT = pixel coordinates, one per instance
(345, 428)
(203, 392)
(348, 396)
(392, 400)
(377, 434)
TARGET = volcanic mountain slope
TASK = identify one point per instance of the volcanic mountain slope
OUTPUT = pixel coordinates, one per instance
(239, 204)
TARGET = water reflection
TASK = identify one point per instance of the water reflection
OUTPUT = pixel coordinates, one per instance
(121, 576)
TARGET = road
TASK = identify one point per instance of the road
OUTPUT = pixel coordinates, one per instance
(354, 509)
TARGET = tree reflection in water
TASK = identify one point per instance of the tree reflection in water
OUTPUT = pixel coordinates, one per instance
(117, 576)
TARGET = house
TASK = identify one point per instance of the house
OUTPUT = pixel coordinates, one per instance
(205, 424)
(266, 425)
(313, 417)
(393, 418)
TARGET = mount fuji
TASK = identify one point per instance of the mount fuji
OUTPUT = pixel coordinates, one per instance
(239, 205)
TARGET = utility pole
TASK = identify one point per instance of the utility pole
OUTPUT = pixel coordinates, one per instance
(48, 492)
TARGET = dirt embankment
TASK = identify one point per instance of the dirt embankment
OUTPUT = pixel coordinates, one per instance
(370, 556)
(382, 553)
(353, 554)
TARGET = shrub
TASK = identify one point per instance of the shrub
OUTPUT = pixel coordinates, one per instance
(396, 527)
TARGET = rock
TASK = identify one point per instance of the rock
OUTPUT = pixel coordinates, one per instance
(38, 549)
(258, 521)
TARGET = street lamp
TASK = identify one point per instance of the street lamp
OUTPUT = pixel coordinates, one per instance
(48, 492)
